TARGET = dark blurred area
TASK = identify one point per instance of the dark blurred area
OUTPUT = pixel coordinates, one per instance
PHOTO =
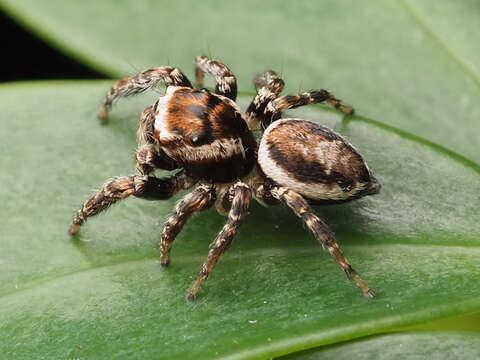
(26, 57)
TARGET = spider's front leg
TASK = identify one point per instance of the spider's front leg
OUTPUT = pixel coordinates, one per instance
(149, 156)
(146, 187)
(301, 208)
(241, 199)
(143, 81)
(226, 84)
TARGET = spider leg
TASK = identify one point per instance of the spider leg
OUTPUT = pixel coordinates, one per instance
(241, 200)
(143, 81)
(149, 158)
(147, 187)
(301, 208)
(270, 86)
(306, 98)
(226, 84)
(145, 132)
(199, 199)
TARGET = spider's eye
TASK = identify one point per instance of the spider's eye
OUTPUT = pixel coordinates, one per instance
(155, 106)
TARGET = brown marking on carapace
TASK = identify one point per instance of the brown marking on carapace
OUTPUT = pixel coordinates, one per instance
(186, 116)
(201, 117)
(207, 135)
(226, 121)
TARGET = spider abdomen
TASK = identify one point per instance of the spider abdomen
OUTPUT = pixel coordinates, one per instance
(314, 161)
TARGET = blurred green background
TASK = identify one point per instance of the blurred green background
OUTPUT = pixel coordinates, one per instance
(410, 69)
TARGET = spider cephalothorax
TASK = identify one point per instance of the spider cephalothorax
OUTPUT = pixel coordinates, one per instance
(206, 136)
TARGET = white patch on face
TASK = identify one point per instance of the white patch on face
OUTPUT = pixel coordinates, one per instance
(315, 191)
(160, 123)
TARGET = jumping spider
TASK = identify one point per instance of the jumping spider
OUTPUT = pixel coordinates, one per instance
(206, 135)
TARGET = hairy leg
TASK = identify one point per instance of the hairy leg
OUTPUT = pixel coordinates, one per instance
(226, 84)
(301, 208)
(149, 157)
(147, 187)
(270, 86)
(241, 200)
(146, 129)
(200, 199)
(306, 98)
(142, 81)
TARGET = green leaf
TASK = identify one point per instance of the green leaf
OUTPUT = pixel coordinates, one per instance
(415, 345)
(439, 339)
(410, 64)
(104, 295)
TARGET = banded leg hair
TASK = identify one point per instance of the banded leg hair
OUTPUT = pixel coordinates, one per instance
(301, 208)
(200, 199)
(270, 86)
(241, 199)
(226, 83)
(146, 129)
(316, 96)
(143, 81)
(146, 187)
(149, 156)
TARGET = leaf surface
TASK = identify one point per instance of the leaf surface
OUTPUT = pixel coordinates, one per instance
(274, 292)
(414, 345)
